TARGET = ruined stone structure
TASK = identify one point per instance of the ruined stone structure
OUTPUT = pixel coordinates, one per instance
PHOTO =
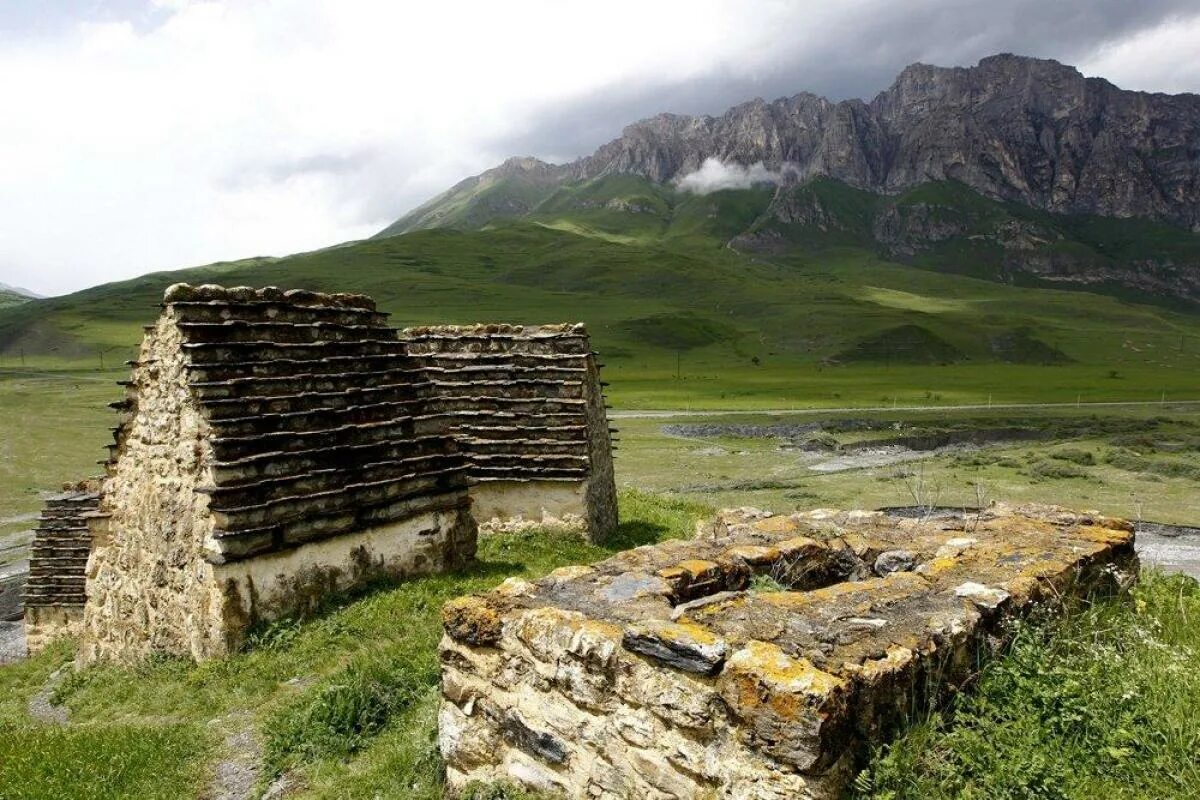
(526, 406)
(274, 447)
(54, 593)
(670, 671)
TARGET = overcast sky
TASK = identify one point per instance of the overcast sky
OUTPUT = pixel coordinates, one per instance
(139, 135)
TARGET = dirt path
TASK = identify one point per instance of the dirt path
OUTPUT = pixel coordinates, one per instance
(781, 412)
(40, 706)
(236, 774)
(12, 641)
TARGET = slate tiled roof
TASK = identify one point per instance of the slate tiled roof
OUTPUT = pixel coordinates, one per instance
(60, 548)
(518, 397)
(316, 415)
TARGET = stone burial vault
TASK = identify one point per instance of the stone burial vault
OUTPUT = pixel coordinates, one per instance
(277, 446)
(682, 670)
(525, 405)
(54, 595)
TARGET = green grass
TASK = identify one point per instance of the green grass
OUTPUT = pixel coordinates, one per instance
(1134, 463)
(53, 428)
(138, 758)
(117, 761)
(1103, 704)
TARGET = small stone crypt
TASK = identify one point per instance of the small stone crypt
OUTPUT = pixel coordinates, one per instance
(526, 406)
(54, 592)
(758, 661)
(277, 446)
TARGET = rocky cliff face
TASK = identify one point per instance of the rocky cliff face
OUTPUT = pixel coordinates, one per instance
(1012, 128)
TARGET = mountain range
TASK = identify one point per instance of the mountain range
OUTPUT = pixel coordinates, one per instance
(1011, 169)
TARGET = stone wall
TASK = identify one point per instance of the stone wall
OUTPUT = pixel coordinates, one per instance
(54, 591)
(527, 406)
(661, 673)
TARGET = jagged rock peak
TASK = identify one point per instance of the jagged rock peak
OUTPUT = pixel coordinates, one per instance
(523, 164)
(1027, 130)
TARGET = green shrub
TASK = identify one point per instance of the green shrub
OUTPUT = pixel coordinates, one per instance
(1075, 455)
(1176, 469)
(336, 717)
(766, 583)
(1126, 459)
(1051, 470)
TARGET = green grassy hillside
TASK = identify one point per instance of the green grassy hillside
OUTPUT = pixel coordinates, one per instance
(942, 226)
(8, 298)
(685, 318)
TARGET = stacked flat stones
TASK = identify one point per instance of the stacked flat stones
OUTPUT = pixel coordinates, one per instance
(59, 553)
(317, 415)
(663, 672)
(514, 396)
(527, 405)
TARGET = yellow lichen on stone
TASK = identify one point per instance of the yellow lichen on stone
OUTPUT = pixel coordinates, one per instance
(761, 674)
(776, 525)
(1104, 535)
(514, 587)
(938, 566)
(545, 631)
(570, 573)
(471, 619)
(872, 590)
(799, 546)
(685, 631)
(699, 568)
(897, 659)
(753, 554)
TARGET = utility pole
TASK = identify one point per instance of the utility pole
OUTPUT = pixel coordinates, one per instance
(102, 351)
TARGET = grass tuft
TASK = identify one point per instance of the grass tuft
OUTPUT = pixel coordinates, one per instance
(1101, 704)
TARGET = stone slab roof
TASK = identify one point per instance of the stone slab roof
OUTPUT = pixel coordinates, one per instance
(516, 396)
(59, 553)
(316, 416)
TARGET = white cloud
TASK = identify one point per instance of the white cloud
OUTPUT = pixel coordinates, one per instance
(715, 175)
(126, 149)
(1160, 59)
(169, 133)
